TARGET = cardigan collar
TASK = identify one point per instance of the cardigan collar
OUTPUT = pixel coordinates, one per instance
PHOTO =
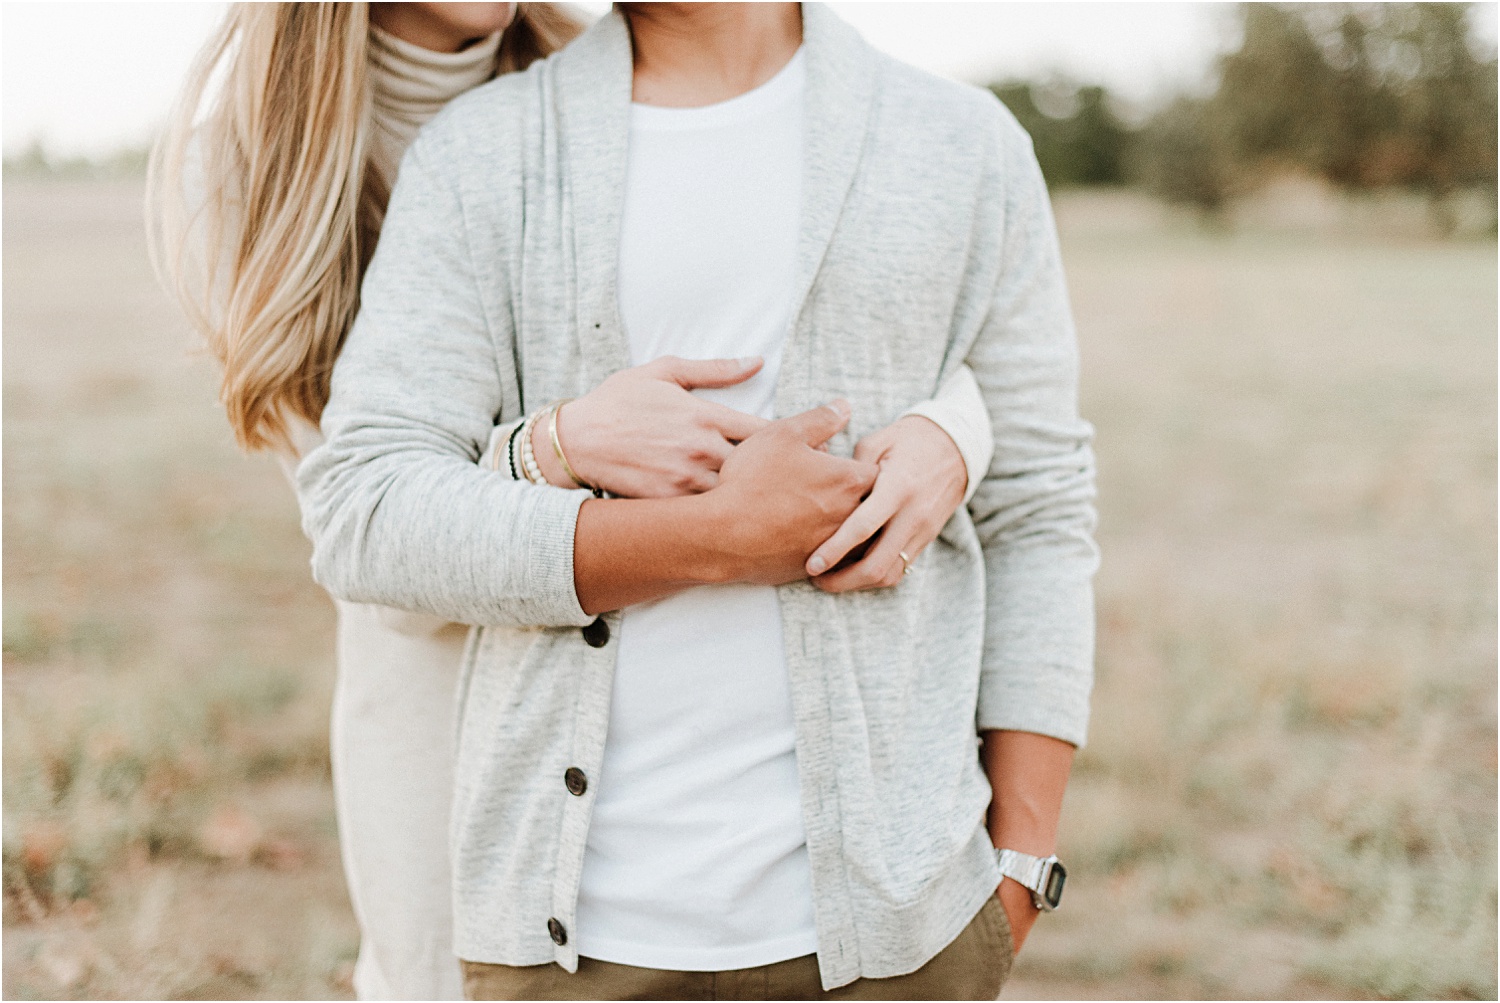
(594, 77)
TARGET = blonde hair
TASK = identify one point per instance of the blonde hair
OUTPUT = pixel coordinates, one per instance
(262, 210)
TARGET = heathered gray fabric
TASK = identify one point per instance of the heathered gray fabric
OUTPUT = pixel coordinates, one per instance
(927, 241)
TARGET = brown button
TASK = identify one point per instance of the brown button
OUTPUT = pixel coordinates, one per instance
(558, 932)
(576, 780)
(596, 633)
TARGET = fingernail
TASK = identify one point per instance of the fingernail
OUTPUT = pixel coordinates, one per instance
(816, 566)
(748, 360)
(839, 407)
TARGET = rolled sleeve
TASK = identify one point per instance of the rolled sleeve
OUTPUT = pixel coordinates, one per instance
(1034, 509)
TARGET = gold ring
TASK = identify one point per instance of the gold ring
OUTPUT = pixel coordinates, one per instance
(905, 562)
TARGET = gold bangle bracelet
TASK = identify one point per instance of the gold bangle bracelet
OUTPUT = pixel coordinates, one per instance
(557, 448)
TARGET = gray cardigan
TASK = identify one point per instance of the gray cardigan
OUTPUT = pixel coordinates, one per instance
(927, 241)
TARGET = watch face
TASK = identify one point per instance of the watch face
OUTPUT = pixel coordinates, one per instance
(1052, 892)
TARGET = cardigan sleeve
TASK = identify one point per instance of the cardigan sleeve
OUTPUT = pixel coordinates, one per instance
(396, 505)
(1034, 509)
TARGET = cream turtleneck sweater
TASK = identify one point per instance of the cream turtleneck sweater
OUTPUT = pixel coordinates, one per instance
(411, 84)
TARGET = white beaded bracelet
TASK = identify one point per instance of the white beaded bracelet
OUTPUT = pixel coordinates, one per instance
(529, 465)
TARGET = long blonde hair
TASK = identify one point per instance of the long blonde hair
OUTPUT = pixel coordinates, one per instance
(262, 210)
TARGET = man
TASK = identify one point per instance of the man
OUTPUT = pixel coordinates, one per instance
(804, 815)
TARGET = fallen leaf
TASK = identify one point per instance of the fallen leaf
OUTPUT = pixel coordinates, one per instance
(230, 834)
(42, 844)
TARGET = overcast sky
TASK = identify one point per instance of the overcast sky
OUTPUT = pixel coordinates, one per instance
(88, 78)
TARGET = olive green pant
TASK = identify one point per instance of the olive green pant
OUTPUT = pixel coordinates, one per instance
(973, 967)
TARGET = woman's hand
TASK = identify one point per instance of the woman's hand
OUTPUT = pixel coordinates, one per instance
(921, 483)
(641, 434)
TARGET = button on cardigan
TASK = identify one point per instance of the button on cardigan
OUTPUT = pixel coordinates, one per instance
(927, 242)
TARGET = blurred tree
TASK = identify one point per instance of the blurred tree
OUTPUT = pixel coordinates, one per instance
(1079, 139)
(1365, 95)
(1184, 157)
(1448, 109)
(1274, 96)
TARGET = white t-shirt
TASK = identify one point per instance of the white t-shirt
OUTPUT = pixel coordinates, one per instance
(697, 859)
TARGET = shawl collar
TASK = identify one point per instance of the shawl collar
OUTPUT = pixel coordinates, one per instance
(840, 93)
(593, 110)
(593, 107)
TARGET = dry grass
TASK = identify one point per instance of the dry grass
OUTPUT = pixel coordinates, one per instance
(1290, 789)
(168, 829)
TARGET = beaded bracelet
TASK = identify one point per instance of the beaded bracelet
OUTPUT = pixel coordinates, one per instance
(510, 453)
(528, 458)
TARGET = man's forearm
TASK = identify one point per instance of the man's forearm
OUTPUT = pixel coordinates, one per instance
(628, 550)
(1028, 774)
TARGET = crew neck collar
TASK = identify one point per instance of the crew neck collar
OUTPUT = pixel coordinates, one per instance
(786, 85)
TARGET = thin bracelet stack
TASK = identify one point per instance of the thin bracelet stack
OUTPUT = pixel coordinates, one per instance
(522, 457)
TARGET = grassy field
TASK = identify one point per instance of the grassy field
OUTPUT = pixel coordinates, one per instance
(1290, 789)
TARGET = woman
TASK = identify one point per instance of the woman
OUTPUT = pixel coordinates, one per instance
(265, 211)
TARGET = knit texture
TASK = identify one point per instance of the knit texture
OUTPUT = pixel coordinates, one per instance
(927, 243)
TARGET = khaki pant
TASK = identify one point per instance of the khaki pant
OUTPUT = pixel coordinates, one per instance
(973, 967)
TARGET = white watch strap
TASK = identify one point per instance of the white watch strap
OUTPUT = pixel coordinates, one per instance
(1022, 867)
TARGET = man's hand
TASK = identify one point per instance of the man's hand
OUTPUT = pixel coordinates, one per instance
(780, 496)
(1019, 909)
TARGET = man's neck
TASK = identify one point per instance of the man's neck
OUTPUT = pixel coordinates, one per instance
(692, 54)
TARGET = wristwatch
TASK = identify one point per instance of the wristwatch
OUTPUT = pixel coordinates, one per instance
(1042, 876)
